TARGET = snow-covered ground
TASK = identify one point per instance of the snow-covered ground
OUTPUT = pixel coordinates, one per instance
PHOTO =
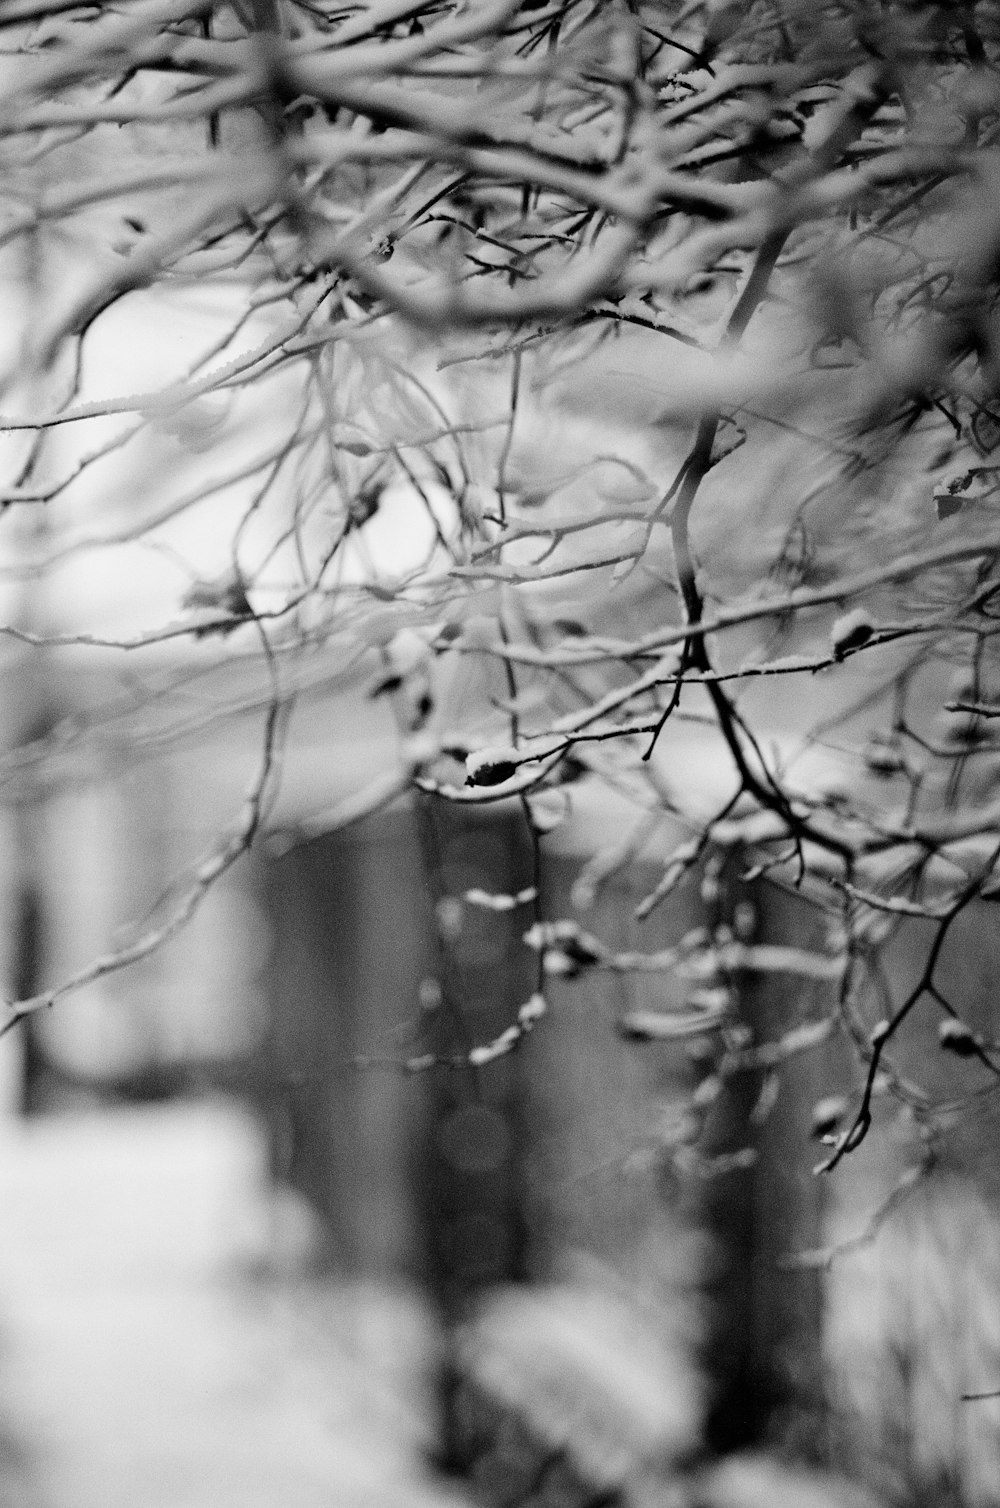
(159, 1345)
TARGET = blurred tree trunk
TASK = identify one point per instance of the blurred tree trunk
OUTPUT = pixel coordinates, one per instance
(28, 909)
(764, 1332)
(35, 714)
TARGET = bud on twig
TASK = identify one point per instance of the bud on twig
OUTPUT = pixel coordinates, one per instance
(850, 632)
(491, 766)
(827, 1115)
(955, 1036)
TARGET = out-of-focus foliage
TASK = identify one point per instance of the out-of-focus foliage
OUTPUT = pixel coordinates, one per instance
(614, 386)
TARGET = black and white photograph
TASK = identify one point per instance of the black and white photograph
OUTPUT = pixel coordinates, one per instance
(499, 754)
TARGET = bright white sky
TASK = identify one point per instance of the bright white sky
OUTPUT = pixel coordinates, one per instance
(144, 344)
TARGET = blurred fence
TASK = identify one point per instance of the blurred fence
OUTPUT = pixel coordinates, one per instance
(559, 1156)
(555, 1157)
(556, 1142)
